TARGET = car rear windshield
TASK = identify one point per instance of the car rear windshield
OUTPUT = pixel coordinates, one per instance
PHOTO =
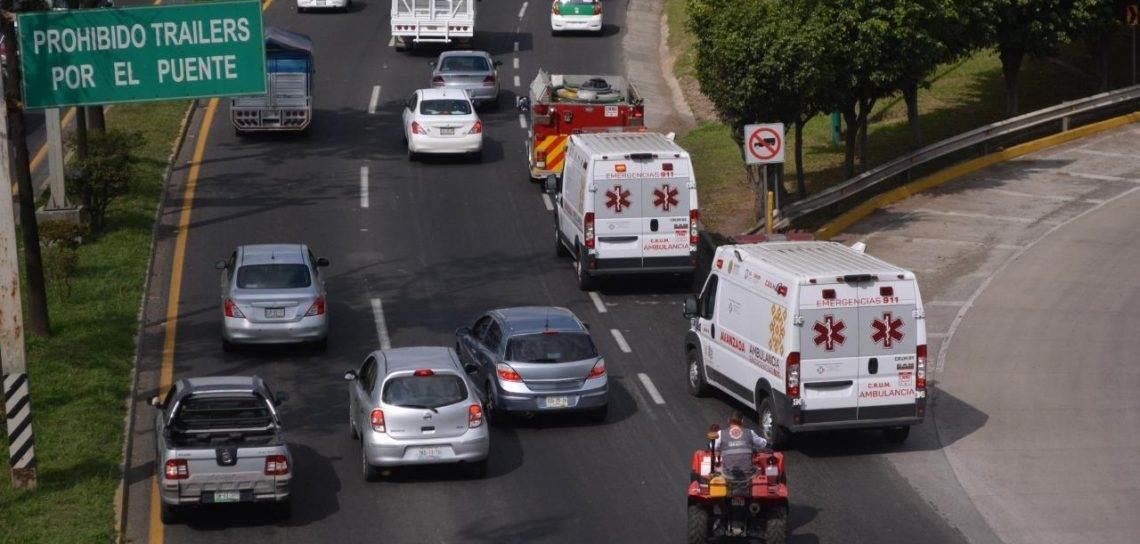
(445, 106)
(206, 413)
(465, 64)
(548, 347)
(273, 276)
(578, 2)
(424, 391)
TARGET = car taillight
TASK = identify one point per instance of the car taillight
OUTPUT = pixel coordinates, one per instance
(638, 112)
(378, 420)
(589, 228)
(474, 416)
(599, 370)
(276, 465)
(694, 227)
(792, 377)
(437, 81)
(506, 373)
(177, 469)
(232, 309)
(489, 79)
(920, 370)
(477, 128)
(598, 8)
(318, 307)
(555, 8)
(417, 128)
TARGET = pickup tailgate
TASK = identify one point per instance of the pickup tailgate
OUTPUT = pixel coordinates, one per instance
(231, 473)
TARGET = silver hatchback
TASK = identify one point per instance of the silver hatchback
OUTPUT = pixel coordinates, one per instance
(470, 71)
(535, 359)
(416, 406)
(273, 294)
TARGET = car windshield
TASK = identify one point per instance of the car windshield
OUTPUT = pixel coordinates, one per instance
(447, 106)
(465, 64)
(204, 413)
(551, 347)
(273, 276)
(424, 391)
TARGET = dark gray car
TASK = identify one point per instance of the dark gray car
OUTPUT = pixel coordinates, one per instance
(470, 71)
(535, 359)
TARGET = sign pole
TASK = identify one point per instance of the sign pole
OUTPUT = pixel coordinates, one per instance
(1133, 54)
(55, 158)
(13, 364)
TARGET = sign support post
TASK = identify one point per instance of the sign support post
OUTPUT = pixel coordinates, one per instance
(1132, 20)
(55, 159)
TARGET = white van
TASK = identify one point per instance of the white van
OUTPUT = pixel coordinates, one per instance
(627, 205)
(813, 335)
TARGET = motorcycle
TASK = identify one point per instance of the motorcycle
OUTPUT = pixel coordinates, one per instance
(740, 504)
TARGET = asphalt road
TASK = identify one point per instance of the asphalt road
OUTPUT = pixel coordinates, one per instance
(440, 242)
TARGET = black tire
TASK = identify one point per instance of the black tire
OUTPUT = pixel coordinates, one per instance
(477, 156)
(585, 282)
(776, 435)
(698, 528)
(301, 10)
(598, 415)
(283, 509)
(352, 432)
(559, 248)
(227, 346)
(321, 346)
(475, 470)
(494, 415)
(776, 526)
(412, 156)
(168, 514)
(695, 371)
(370, 473)
(896, 435)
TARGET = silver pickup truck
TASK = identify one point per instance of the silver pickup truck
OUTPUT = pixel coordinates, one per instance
(219, 440)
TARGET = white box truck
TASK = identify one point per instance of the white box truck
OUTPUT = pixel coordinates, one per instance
(813, 335)
(432, 21)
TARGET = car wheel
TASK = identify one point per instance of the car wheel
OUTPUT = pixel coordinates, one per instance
(321, 346)
(370, 473)
(495, 415)
(477, 156)
(352, 432)
(411, 154)
(776, 526)
(585, 282)
(770, 429)
(698, 524)
(227, 346)
(698, 387)
(301, 9)
(168, 513)
(477, 469)
(283, 509)
(896, 435)
(598, 415)
(559, 248)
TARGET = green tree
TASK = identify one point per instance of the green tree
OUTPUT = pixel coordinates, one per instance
(1097, 25)
(105, 173)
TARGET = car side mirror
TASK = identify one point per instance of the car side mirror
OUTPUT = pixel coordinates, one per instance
(350, 375)
(431, 63)
(470, 368)
(551, 184)
(156, 402)
(690, 307)
(498, 63)
(587, 325)
(321, 261)
(281, 398)
(220, 265)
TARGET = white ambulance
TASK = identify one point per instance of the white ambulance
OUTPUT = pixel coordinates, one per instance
(627, 205)
(813, 335)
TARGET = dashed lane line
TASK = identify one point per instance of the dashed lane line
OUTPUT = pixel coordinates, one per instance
(1099, 153)
(547, 202)
(364, 187)
(622, 344)
(522, 10)
(516, 47)
(1101, 177)
(969, 215)
(381, 324)
(372, 102)
(598, 302)
(522, 120)
(515, 62)
(650, 388)
(517, 81)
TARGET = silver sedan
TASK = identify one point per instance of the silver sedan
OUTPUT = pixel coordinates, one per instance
(470, 71)
(535, 359)
(273, 294)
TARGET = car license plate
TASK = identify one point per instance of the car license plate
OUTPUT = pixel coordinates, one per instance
(557, 402)
(429, 453)
(738, 501)
(447, 132)
(275, 312)
(611, 111)
(227, 496)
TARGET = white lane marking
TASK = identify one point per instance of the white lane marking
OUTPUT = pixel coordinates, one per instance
(372, 102)
(980, 216)
(622, 344)
(392, 41)
(1105, 153)
(522, 10)
(515, 62)
(945, 347)
(547, 202)
(935, 335)
(1101, 177)
(946, 303)
(517, 81)
(516, 47)
(364, 187)
(598, 302)
(652, 389)
(381, 325)
(1020, 194)
(522, 120)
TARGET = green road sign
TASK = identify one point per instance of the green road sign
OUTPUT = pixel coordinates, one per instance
(103, 56)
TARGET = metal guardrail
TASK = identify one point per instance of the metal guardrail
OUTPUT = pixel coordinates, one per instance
(1062, 112)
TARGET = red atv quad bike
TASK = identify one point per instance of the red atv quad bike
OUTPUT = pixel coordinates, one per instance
(750, 505)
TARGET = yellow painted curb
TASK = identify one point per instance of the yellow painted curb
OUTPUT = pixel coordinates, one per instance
(860, 212)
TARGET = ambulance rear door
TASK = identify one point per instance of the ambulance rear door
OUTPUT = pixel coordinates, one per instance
(667, 200)
(829, 352)
(618, 203)
(887, 334)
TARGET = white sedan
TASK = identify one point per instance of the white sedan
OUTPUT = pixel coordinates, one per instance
(308, 5)
(442, 121)
(576, 15)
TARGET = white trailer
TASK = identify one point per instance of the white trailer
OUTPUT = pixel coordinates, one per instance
(432, 21)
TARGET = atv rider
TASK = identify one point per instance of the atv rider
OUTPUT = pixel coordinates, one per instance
(736, 445)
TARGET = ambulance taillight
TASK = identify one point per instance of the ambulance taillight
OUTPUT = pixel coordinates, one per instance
(792, 376)
(589, 230)
(920, 370)
(694, 228)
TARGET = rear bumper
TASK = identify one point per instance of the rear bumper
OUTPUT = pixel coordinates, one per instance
(244, 331)
(683, 264)
(270, 119)
(580, 400)
(176, 494)
(468, 143)
(796, 419)
(590, 23)
(311, 4)
(382, 450)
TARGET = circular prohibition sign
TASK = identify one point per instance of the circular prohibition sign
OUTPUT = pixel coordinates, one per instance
(759, 146)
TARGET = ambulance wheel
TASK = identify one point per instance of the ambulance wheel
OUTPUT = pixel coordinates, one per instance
(776, 526)
(698, 387)
(776, 435)
(559, 248)
(896, 435)
(698, 524)
(585, 282)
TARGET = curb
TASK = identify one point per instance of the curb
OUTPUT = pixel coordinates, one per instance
(860, 212)
(122, 492)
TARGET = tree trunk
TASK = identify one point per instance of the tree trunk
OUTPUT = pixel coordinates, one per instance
(37, 307)
(851, 120)
(801, 186)
(865, 107)
(95, 119)
(910, 95)
(1011, 58)
(80, 132)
